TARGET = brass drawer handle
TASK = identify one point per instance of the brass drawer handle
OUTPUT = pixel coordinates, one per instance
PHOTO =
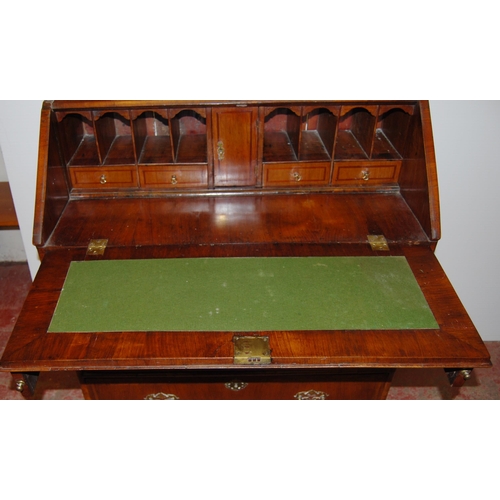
(311, 395)
(174, 180)
(365, 175)
(221, 153)
(297, 177)
(161, 396)
(236, 385)
(20, 385)
(103, 179)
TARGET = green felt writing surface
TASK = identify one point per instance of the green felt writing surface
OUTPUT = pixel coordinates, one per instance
(242, 295)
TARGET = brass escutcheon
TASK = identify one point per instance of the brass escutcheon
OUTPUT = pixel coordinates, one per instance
(236, 385)
(221, 153)
(251, 350)
(311, 395)
(161, 396)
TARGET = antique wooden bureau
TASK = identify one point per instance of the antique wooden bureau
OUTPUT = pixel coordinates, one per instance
(238, 250)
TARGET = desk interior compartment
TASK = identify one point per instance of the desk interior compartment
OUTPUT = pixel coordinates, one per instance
(189, 134)
(77, 138)
(318, 133)
(153, 140)
(356, 132)
(114, 137)
(281, 134)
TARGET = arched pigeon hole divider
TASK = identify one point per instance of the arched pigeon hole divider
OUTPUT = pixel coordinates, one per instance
(318, 134)
(393, 124)
(77, 138)
(281, 134)
(153, 140)
(114, 137)
(355, 133)
(189, 135)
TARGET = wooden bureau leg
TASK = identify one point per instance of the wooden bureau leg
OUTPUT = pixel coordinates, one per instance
(25, 383)
(458, 377)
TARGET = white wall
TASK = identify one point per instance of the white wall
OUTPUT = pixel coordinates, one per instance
(19, 129)
(467, 141)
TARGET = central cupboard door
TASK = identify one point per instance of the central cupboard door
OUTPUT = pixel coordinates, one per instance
(235, 146)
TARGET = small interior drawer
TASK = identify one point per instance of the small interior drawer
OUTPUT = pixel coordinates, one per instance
(297, 174)
(103, 177)
(173, 177)
(366, 172)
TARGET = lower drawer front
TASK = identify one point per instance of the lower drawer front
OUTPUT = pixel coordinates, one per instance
(237, 386)
(103, 177)
(296, 174)
(168, 177)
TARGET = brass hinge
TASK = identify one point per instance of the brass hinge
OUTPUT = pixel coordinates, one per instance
(252, 351)
(378, 243)
(97, 247)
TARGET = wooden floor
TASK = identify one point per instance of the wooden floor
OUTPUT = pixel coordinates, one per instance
(410, 384)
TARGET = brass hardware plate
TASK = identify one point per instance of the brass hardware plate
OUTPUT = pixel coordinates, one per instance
(221, 153)
(378, 243)
(236, 385)
(252, 351)
(97, 247)
(311, 395)
(161, 396)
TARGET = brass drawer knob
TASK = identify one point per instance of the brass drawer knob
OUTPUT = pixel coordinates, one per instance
(297, 177)
(103, 179)
(160, 396)
(365, 175)
(20, 385)
(174, 180)
(236, 385)
(311, 395)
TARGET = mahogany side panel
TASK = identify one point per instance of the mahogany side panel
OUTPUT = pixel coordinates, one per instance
(418, 177)
(52, 192)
